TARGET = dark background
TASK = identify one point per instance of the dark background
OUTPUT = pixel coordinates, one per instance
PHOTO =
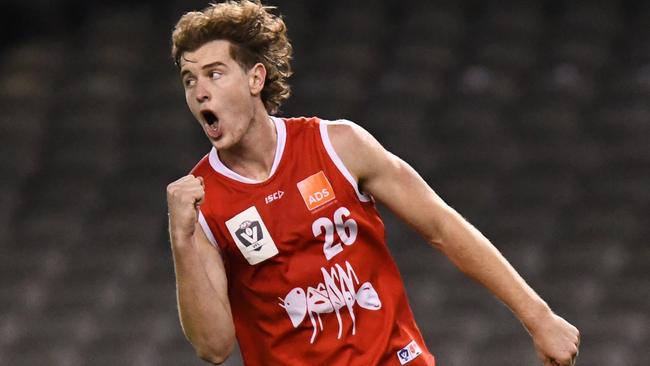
(531, 118)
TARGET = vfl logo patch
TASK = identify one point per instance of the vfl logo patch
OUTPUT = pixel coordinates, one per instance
(409, 353)
(316, 190)
(251, 236)
(249, 233)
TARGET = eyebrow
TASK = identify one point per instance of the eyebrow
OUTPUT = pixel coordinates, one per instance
(206, 66)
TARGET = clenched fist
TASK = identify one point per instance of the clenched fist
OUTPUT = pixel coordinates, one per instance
(183, 199)
(557, 342)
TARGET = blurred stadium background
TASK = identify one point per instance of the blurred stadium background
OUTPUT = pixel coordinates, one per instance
(532, 118)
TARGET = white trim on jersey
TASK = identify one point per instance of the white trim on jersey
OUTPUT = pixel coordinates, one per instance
(219, 167)
(337, 160)
(207, 230)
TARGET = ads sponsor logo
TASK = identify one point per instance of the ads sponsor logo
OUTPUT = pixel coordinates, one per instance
(251, 236)
(316, 190)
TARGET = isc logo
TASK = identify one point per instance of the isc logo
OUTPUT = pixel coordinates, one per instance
(273, 197)
(316, 190)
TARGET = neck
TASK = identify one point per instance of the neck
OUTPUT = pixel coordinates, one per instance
(254, 155)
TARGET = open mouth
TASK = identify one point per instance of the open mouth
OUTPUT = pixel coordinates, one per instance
(212, 126)
(209, 117)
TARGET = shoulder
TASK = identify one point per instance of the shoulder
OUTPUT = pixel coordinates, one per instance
(202, 167)
(300, 121)
(358, 149)
(346, 135)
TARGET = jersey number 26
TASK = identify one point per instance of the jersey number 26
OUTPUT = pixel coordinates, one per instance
(346, 231)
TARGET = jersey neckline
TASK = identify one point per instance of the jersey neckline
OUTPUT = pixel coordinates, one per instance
(222, 169)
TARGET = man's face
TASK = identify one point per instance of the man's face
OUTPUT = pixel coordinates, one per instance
(218, 93)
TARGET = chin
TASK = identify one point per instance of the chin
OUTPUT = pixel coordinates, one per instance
(221, 143)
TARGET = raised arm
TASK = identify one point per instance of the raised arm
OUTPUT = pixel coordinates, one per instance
(394, 183)
(201, 285)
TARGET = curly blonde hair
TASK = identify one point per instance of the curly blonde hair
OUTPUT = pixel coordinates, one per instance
(255, 35)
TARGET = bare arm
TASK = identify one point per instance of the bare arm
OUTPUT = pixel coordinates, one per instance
(394, 183)
(201, 284)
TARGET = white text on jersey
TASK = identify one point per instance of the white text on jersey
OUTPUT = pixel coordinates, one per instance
(273, 197)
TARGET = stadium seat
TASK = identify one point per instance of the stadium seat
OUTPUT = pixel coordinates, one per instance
(528, 117)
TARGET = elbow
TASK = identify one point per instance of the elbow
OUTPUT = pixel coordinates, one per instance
(211, 344)
(213, 355)
(450, 233)
(436, 243)
(440, 230)
(213, 358)
(214, 352)
(436, 238)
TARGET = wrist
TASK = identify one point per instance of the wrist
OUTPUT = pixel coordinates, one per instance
(180, 237)
(535, 315)
(179, 233)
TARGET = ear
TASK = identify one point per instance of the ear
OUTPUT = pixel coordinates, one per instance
(256, 78)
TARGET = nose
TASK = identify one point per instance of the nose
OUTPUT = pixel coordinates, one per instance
(202, 94)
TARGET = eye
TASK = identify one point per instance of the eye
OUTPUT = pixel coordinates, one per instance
(189, 82)
(215, 75)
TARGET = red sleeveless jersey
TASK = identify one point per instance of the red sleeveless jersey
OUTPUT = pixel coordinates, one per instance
(310, 278)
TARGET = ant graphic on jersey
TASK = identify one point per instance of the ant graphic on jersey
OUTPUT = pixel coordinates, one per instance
(329, 297)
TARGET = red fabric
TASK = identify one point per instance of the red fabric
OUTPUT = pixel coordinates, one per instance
(363, 282)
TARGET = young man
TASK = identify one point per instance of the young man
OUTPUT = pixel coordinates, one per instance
(275, 235)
